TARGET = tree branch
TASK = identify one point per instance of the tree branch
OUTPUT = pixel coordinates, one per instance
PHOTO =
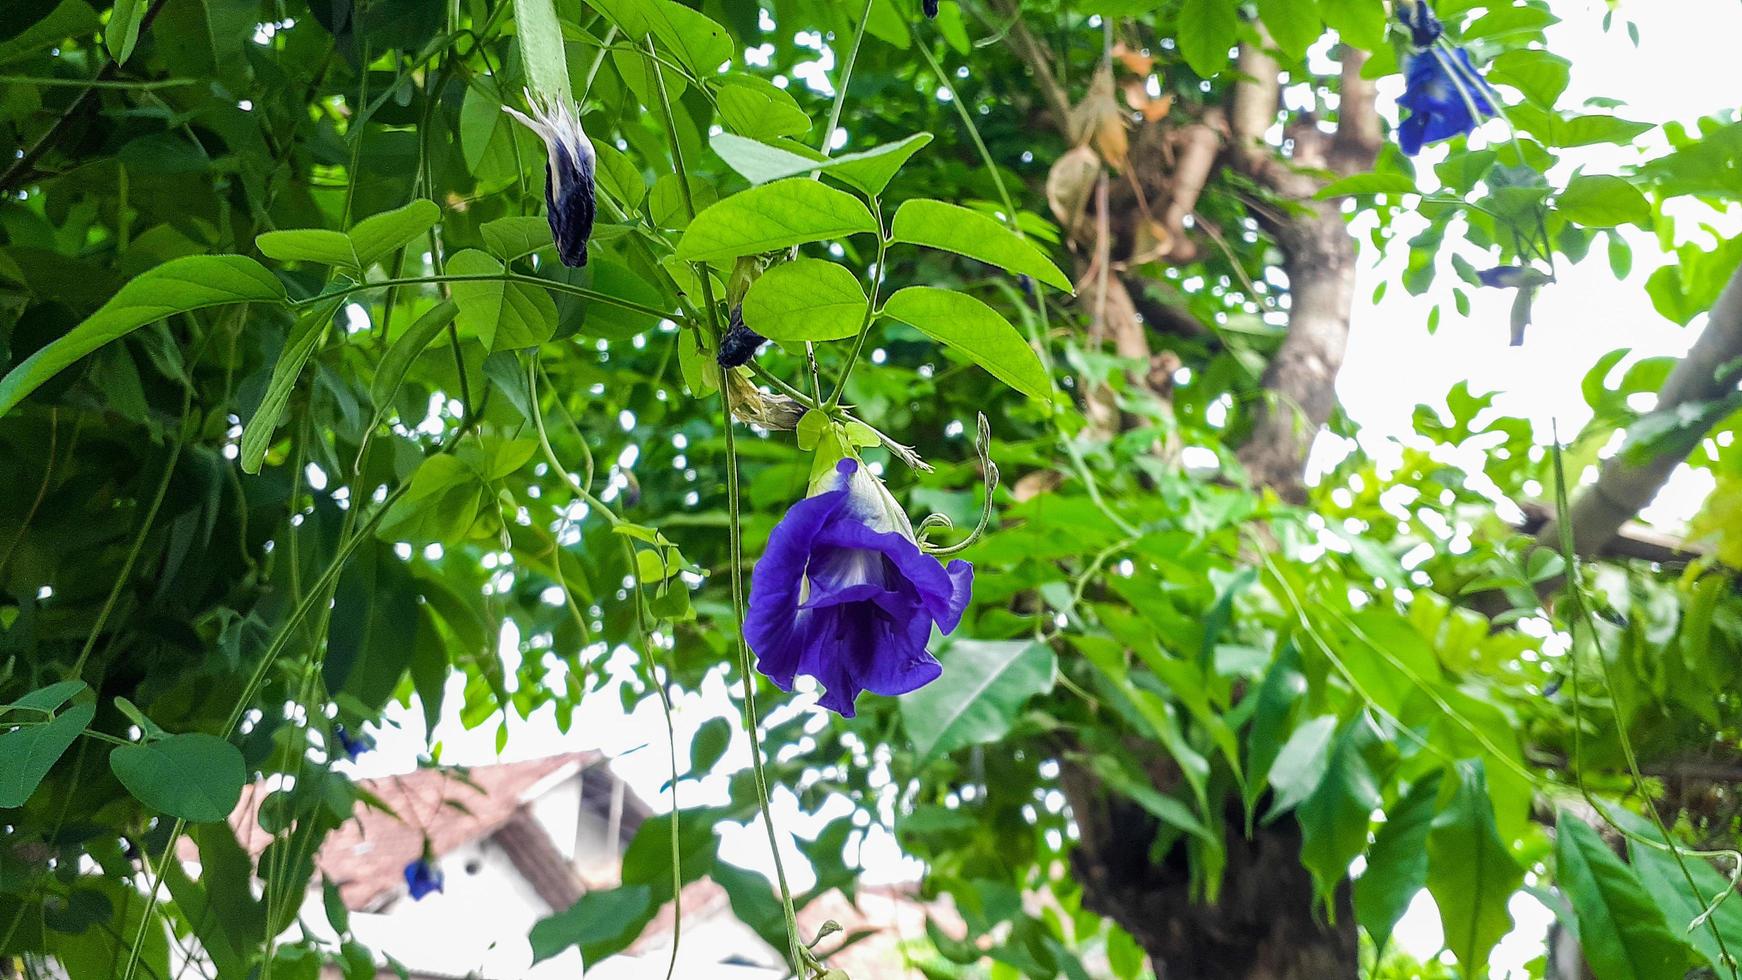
(1710, 371)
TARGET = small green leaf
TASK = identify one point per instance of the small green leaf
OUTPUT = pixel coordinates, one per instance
(195, 777)
(693, 37)
(322, 245)
(1397, 863)
(1334, 819)
(709, 744)
(1540, 75)
(47, 699)
(954, 228)
(778, 215)
(1368, 183)
(123, 30)
(257, 435)
(1360, 22)
(1603, 201)
(805, 299)
(1207, 30)
(502, 315)
(377, 235)
(390, 373)
(1294, 24)
(983, 686)
(872, 170)
(1621, 931)
(194, 282)
(1470, 871)
(760, 114)
(756, 161)
(27, 753)
(977, 331)
(602, 922)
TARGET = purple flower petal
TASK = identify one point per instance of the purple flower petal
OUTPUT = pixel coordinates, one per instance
(845, 595)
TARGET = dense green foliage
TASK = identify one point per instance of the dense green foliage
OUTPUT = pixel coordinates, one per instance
(297, 409)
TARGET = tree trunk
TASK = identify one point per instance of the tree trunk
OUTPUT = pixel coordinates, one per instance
(1262, 926)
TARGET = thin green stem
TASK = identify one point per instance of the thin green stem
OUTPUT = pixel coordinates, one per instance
(795, 949)
(846, 78)
(140, 86)
(870, 311)
(561, 287)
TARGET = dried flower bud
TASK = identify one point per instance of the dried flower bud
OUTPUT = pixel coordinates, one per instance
(568, 175)
(740, 343)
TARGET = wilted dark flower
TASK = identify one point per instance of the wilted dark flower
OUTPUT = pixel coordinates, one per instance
(740, 343)
(1511, 277)
(931, 8)
(844, 594)
(1445, 95)
(352, 745)
(568, 175)
(422, 876)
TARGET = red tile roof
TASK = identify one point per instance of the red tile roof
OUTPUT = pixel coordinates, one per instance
(366, 856)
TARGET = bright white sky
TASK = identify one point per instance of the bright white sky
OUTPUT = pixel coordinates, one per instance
(1686, 66)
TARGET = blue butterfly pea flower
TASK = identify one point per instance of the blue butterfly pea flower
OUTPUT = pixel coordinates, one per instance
(352, 745)
(568, 175)
(422, 876)
(844, 594)
(1445, 95)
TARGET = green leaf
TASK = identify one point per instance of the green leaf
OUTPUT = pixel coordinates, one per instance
(709, 744)
(390, 373)
(372, 630)
(756, 161)
(1301, 763)
(602, 922)
(123, 30)
(379, 234)
(773, 216)
(309, 329)
(954, 228)
(1680, 905)
(1207, 30)
(977, 331)
(750, 110)
(541, 50)
(1539, 75)
(1334, 819)
(872, 170)
(502, 315)
(983, 686)
(196, 777)
(47, 699)
(181, 285)
(516, 236)
(1470, 872)
(1360, 22)
(869, 170)
(1368, 183)
(694, 38)
(806, 299)
(1397, 863)
(1603, 201)
(29, 752)
(1294, 24)
(369, 241)
(1621, 931)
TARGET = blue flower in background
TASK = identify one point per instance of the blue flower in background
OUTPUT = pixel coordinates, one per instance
(844, 594)
(422, 876)
(352, 745)
(1445, 95)
(568, 176)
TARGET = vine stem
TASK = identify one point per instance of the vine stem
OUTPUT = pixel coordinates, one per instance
(795, 950)
(514, 277)
(1581, 615)
(870, 311)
